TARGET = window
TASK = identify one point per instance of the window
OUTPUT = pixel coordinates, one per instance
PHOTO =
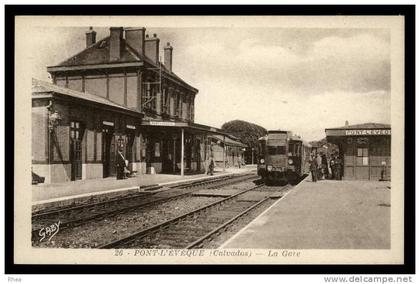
(192, 110)
(294, 150)
(362, 157)
(177, 105)
(276, 150)
(153, 98)
(164, 100)
(144, 144)
(146, 95)
(180, 106)
(149, 95)
(75, 130)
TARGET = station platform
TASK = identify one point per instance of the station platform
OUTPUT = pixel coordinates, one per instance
(57, 192)
(327, 214)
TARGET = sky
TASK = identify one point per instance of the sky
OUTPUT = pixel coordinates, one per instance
(298, 79)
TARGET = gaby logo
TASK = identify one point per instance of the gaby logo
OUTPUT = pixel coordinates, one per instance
(49, 231)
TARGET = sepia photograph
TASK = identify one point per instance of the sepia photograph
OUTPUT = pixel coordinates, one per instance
(216, 140)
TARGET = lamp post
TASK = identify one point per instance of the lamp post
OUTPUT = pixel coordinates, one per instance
(252, 155)
(54, 119)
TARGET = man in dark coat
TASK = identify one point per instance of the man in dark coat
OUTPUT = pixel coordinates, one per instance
(120, 164)
(324, 166)
(338, 168)
(211, 166)
(333, 166)
(314, 169)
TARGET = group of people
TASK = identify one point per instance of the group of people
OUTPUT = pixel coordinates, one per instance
(123, 172)
(323, 168)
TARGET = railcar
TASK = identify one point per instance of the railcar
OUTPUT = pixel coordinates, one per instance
(284, 157)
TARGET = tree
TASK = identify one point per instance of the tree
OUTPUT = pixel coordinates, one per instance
(248, 133)
(324, 147)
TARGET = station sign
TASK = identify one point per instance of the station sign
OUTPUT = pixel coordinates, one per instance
(359, 132)
(109, 123)
(162, 123)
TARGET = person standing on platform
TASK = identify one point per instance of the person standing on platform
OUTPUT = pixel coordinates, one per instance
(314, 169)
(239, 161)
(383, 171)
(332, 166)
(120, 164)
(339, 167)
(319, 163)
(211, 166)
(324, 166)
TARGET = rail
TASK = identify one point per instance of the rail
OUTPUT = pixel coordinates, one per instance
(121, 208)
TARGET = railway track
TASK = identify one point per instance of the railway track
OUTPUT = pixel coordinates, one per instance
(77, 215)
(193, 229)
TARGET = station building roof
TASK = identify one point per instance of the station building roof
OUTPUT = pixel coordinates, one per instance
(97, 56)
(364, 129)
(42, 89)
(369, 125)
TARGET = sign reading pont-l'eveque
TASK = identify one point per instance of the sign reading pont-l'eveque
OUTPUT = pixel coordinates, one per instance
(355, 132)
(162, 123)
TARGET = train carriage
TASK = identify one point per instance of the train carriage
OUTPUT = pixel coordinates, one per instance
(284, 157)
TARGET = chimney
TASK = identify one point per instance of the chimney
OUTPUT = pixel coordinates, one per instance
(135, 38)
(152, 48)
(167, 56)
(90, 37)
(115, 43)
(347, 123)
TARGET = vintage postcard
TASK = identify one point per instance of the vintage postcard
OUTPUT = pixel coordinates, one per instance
(209, 140)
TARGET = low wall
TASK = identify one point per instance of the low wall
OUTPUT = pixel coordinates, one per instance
(93, 170)
(43, 171)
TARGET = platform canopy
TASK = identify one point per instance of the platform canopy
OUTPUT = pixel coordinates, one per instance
(229, 141)
(186, 126)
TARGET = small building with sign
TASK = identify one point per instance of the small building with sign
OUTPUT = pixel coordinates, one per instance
(365, 150)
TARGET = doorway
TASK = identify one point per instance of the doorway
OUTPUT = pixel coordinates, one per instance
(76, 136)
(362, 163)
(198, 154)
(129, 153)
(167, 160)
(108, 152)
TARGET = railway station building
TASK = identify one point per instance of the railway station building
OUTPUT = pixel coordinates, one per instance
(231, 148)
(117, 93)
(365, 150)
